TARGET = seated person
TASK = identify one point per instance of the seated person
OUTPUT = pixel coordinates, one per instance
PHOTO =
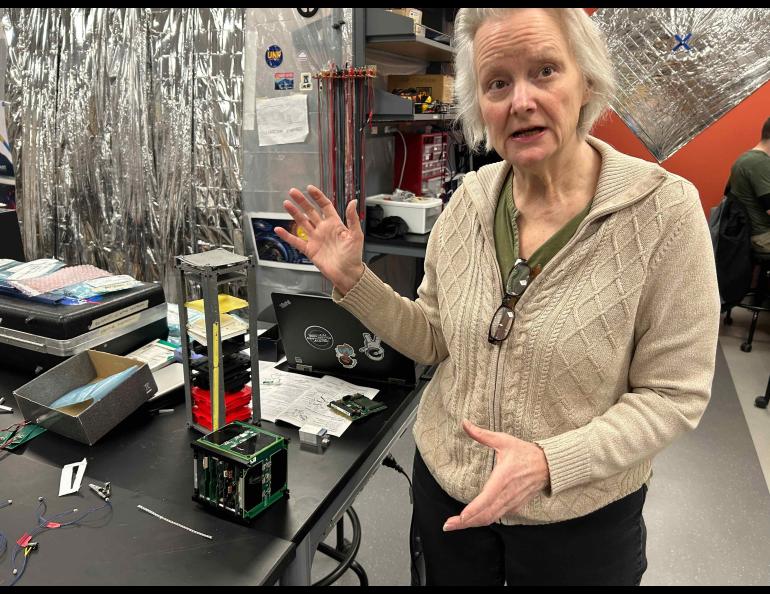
(750, 183)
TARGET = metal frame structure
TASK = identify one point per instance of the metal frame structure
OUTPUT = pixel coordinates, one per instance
(210, 270)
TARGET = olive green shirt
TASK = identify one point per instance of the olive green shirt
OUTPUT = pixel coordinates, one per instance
(507, 234)
(750, 179)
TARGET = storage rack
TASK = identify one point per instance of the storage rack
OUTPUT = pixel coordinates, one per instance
(209, 270)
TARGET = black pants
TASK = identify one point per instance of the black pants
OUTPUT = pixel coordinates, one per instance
(606, 547)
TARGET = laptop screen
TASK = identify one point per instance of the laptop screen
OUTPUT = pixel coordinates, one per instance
(320, 336)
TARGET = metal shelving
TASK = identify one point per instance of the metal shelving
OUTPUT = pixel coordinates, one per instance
(209, 270)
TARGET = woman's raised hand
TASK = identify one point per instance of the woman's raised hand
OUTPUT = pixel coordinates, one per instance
(335, 248)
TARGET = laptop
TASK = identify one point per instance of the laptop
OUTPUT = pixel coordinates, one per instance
(319, 336)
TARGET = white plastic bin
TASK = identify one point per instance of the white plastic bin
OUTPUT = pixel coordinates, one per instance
(419, 216)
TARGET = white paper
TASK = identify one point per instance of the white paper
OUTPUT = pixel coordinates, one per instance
(157, 354)
(302, 399)
(66, 484)
(283, 120)
(312, 407)
(35, 269)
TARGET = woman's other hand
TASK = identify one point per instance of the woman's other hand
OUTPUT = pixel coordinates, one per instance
(521, 471)
(335, 248)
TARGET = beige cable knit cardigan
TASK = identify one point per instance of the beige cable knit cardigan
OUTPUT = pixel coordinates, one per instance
(611, 355)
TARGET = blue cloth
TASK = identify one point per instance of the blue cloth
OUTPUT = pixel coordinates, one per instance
(95, 391)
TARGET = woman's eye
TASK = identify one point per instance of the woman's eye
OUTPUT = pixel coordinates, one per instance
(547, 71)
(496, 85)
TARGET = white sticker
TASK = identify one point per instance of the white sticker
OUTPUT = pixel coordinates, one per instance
(372, 347)
(306, 81)
(110, 328)
(68, 484)
(116, 315)
(319, 338)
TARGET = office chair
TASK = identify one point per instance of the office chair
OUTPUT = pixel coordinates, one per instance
(756, 299)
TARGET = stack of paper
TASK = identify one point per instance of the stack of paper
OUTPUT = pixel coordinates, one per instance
(157, 354)
(304, 400)
(229, 327)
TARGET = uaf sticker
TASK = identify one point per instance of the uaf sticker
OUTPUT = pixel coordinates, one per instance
(319, 338)
(372, 347)
(274, 56)
(346, 355)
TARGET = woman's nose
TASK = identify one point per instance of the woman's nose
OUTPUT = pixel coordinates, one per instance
(522, 98)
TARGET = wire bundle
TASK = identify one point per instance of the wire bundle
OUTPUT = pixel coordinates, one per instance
(26, 545)
(345, 104)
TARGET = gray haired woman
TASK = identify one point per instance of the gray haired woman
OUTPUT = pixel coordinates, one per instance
(570, 302)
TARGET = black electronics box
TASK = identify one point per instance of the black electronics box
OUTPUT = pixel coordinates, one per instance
(36, 336)
(240, 470)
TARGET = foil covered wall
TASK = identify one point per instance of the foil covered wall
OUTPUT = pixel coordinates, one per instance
(32, 37)
(218, 116)
(127, 132)
(681, 69)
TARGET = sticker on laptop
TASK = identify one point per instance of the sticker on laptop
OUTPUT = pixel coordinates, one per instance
(319, 338)
(346, 355)
(372, 347)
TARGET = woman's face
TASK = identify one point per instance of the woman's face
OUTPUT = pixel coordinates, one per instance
(531, 88)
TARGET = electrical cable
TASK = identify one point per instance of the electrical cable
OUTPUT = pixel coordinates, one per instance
(415, 544)
(45, 524)
(390, 462)
(403, 163)
(3, 538)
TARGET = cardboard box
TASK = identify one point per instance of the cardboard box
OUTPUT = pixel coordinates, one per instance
(440, 86)
(85, 422)
(412, 13)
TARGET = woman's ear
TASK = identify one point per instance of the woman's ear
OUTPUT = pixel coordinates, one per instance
(587, 92)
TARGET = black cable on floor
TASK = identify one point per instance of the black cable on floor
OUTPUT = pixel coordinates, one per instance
(349, 559)
(417, 564)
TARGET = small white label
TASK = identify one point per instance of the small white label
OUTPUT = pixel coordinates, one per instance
(306, 81)
(119, 324)
(116, 315)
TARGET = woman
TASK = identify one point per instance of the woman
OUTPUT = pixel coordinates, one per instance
(570, 300)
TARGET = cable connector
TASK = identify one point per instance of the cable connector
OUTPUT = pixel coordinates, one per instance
(390, 462)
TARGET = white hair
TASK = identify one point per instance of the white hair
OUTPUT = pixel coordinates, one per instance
(585, 40)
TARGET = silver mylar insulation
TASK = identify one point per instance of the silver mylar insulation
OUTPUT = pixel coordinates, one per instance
(126, 126)
(681, 69)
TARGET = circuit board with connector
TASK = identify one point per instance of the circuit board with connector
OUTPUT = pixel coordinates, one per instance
(356, 406)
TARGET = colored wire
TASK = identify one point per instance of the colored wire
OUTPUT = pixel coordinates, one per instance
(320, 137)
(44, 526)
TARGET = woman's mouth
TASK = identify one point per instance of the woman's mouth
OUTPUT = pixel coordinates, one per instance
(525, 132)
